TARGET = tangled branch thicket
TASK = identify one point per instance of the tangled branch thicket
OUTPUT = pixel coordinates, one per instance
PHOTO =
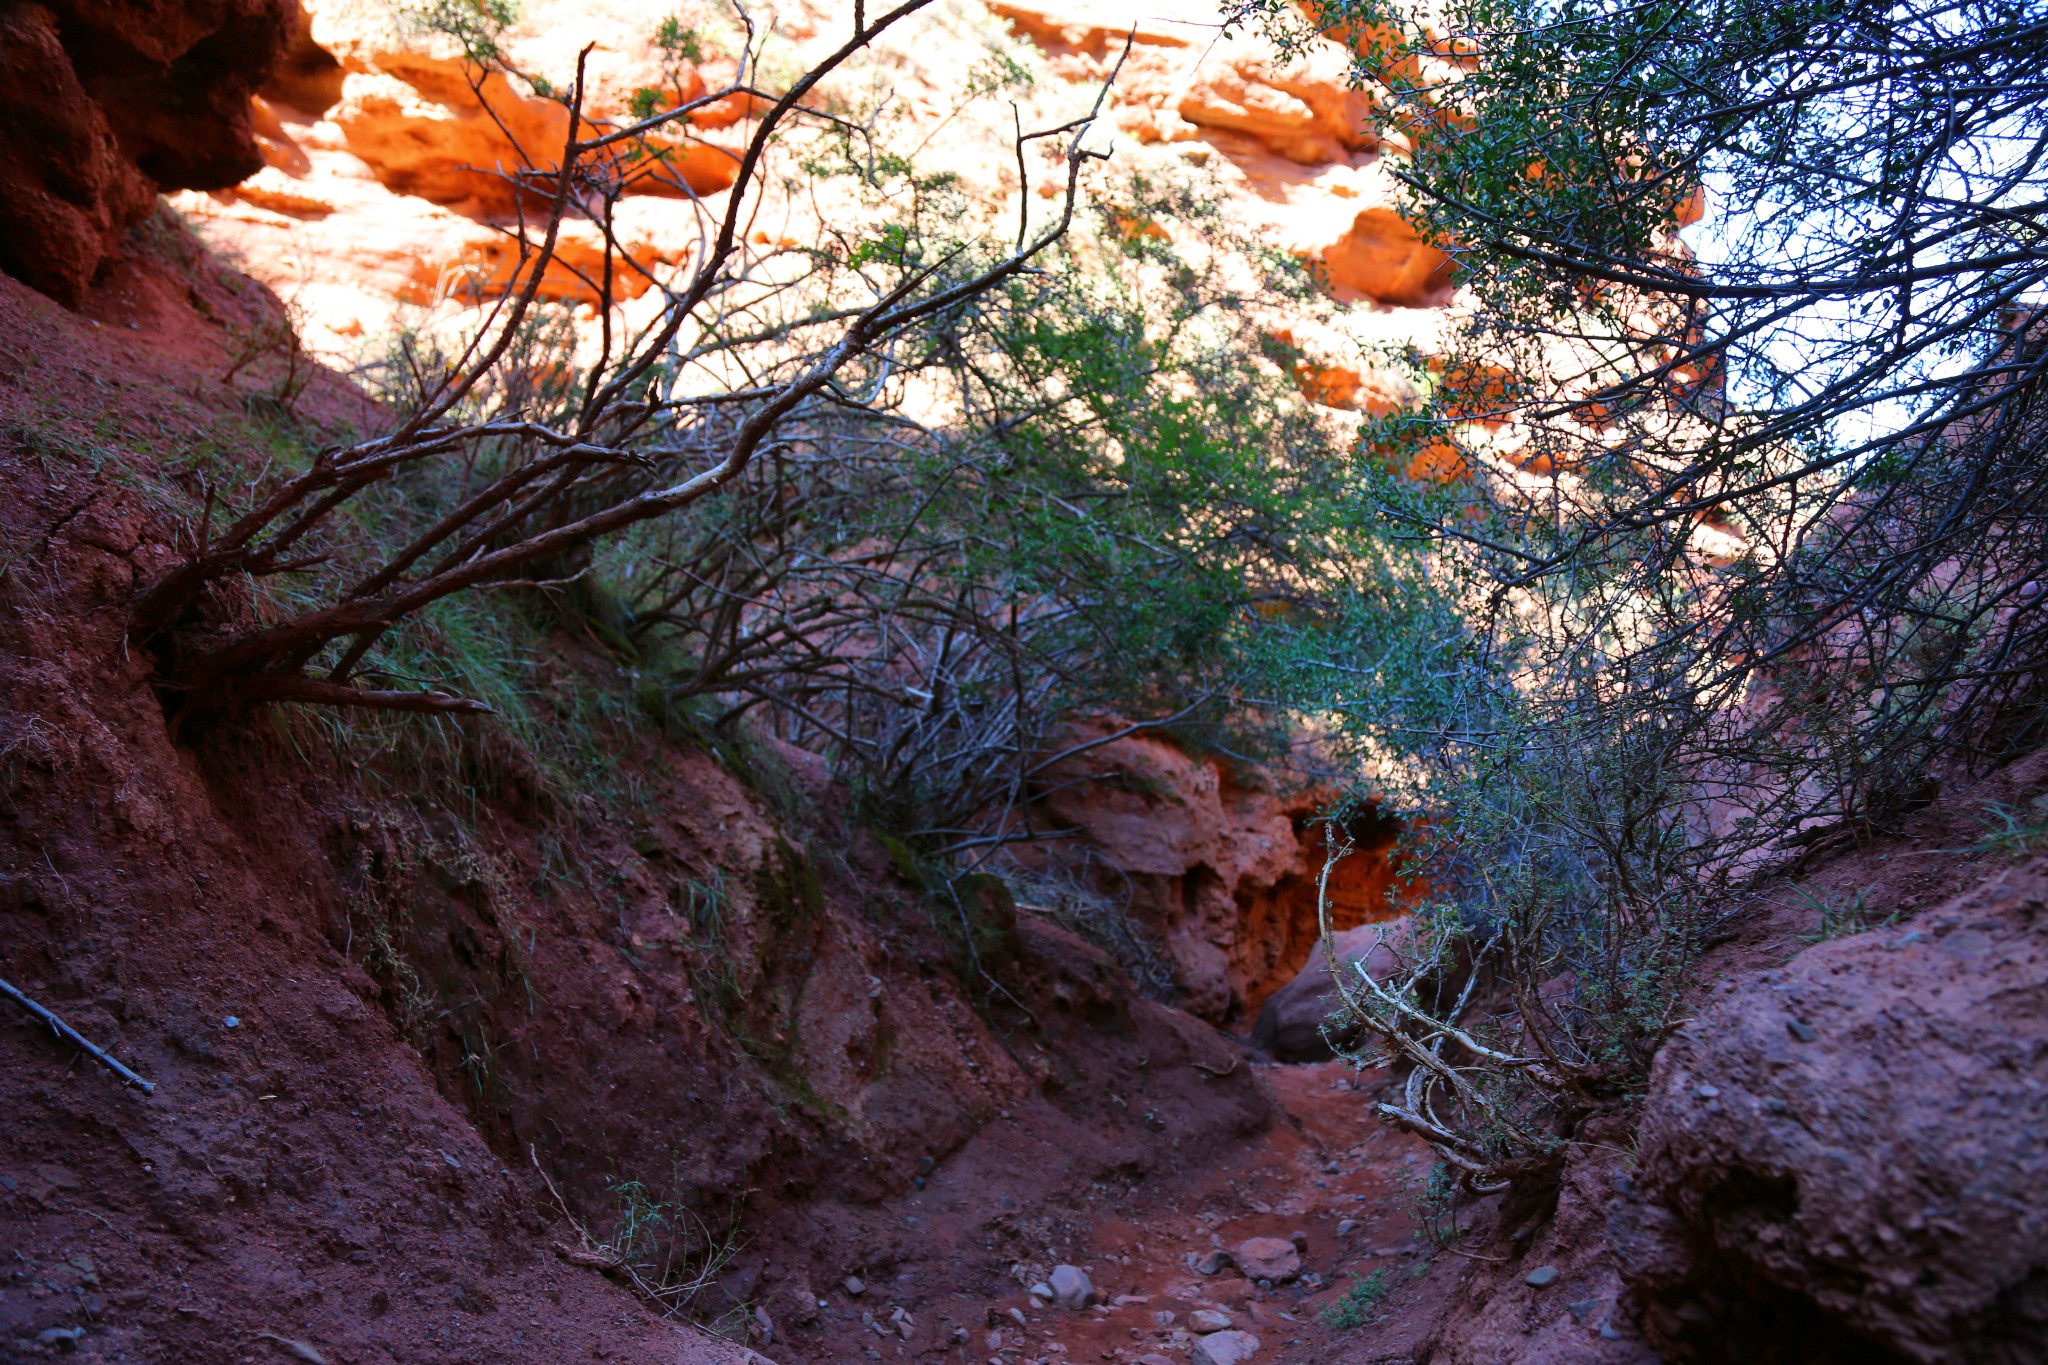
(502, 470)
(1744, 545)
(1121, 483)
(912, 492)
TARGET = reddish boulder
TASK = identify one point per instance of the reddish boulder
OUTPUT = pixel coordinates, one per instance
(1847, 1159)
(1267, 1258)
(103, 103)
(1382, 258)
(1299, 1021)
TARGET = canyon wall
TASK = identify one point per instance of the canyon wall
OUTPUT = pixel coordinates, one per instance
(352, 162)
(378, 997)
(381, 979)
(104, 104)
(379, 206)
(379, 197)
(1218, 863)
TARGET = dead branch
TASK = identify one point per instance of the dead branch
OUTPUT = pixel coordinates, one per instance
(620, 453)
(76, 1039)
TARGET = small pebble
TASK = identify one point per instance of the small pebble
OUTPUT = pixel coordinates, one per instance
(1542, 1275)
(1802, 1032)
(852, 1285)
(231, 1022)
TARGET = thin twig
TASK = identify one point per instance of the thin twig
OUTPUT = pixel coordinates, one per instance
(76, 1039)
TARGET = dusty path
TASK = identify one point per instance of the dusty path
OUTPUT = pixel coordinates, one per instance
(1323, 1176)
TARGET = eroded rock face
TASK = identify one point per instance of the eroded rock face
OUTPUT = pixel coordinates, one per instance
(102, 104)
(1381, 257)
(1224, 875)
(1306, 111)
(1847, 1159)
(1301, 135)
(383, 187)
(428, 127)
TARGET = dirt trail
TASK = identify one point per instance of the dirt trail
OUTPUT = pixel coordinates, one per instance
(1324, 1175)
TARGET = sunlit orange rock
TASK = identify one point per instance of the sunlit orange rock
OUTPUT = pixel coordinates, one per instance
(1353, 389)
(1382, 258)
(428, 128)
(1694, 208)
(1474, 392)
(1306, 113)
(1439, 461)
(384, 186)
(487, 267)
(1094, 30)
(1334, 386)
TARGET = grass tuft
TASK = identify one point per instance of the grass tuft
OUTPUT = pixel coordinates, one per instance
(1359, 1303)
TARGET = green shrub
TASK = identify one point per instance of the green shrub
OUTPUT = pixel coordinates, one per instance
(1360, 1302)
(1725, 554)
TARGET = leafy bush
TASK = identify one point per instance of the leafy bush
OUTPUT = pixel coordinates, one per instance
(1360, 1301)
(1729, 551)
(1119, 485)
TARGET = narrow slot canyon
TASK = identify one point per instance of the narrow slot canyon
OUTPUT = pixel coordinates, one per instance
(1182, 1136)
(1200, 1157)
(452, 1072)
(675, 682)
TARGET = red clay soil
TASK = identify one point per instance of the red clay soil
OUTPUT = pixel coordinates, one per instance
(960, 1255)
(298, 1186)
